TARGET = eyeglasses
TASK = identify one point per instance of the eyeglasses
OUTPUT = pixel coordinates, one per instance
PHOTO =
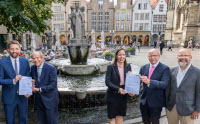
(153, 56)
(181, 56)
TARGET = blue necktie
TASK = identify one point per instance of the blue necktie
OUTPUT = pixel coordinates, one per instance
(16, 69)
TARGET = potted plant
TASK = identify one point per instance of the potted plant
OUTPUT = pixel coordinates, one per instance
(127, 52)
(108, 55)
(132, 50)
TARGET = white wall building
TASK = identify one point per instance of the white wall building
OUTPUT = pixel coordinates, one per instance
(141, 22)
(158, 20)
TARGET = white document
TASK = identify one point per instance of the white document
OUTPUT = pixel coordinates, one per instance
(132, 84)
(25, 85)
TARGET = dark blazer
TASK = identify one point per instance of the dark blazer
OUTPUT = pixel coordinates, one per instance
(155, 93)
(187, 95)
(7, 74)
(113, 79)
(48, 85)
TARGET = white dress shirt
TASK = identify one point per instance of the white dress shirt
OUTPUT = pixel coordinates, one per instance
(181, 75)
(13, 64)
(40, 71)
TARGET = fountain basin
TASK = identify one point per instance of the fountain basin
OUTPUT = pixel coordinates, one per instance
(93, 66)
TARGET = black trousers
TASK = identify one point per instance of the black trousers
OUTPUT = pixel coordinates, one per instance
(150, 115)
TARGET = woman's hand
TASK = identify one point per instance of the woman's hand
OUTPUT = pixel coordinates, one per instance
(131, 94)
(122, 91)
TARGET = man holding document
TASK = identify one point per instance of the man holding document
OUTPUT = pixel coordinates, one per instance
(155, 77)
(45, 88)
(12, 70)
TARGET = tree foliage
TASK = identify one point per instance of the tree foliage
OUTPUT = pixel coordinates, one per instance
(20, 16)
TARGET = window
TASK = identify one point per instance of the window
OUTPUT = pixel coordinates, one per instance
(161, 7)
(100, 16)
(100, 4)
(154, 28)
(57, 8)
(58, 17)
(117, 27)
(62, 17)
(159, 27)
(141, 27)
(54, 17)
(128, 17)
(94, 25)
(106, 15)
(100, 26)
(147, 16)
(164, 18)
(76, 3)
(128, 26)
(160, 18)
(123, 16)
(117, 16)
(94, 17)
(122, 26)
(136, 16)
(146, 26)
(164, 27)
(106, 26)
(155, 18)
(142, 16)
(123, 5)
(59, 26)
(145, 6)
(62, 27)
(139, 6)
(136, 27)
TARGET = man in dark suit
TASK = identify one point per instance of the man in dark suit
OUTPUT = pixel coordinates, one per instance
(46, 91)
(183, 91)
(155, 77)
(12, 69)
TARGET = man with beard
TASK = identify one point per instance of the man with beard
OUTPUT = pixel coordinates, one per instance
(12, 69)
(183, 91)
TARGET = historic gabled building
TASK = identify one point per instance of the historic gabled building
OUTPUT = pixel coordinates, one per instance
(183, 21)
(141, 22)
(100, 17)
(123, 21)
(158, 20)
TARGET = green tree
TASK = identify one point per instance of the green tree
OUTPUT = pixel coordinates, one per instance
(20, 16)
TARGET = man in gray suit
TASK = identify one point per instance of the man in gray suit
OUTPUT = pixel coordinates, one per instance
(183, 91)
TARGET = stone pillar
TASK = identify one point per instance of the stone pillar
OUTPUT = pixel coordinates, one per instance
(10, 38)
(102, 40)
(181, 22)
(23, 42)
(93, 47)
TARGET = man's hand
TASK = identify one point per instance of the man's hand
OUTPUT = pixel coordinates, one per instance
(122, 91)
(17, 78)
(131, 94)
(34, 89)
(195, 115)
(27, 95)
(33, 81)
(144, 79)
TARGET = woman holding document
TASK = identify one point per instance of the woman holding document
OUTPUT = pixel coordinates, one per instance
(116, 97)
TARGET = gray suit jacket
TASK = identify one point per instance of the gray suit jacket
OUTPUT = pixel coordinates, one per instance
(187, 96)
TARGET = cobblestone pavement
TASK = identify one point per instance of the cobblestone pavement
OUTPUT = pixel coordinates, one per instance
(169, 58)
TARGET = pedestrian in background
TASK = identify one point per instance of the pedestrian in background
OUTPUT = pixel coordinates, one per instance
(162, 45)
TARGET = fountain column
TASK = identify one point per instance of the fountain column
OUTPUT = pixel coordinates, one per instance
(93, 47)
(102, 40)
(33, 44)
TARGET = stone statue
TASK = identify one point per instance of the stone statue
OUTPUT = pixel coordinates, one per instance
(72, 19)
(82, 9)
(78, 24)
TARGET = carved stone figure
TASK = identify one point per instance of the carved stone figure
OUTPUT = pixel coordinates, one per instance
(72, 20)
(82, 9)
(78, 24)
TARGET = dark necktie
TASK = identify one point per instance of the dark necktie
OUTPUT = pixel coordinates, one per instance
(39, 73)
(16, 69)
